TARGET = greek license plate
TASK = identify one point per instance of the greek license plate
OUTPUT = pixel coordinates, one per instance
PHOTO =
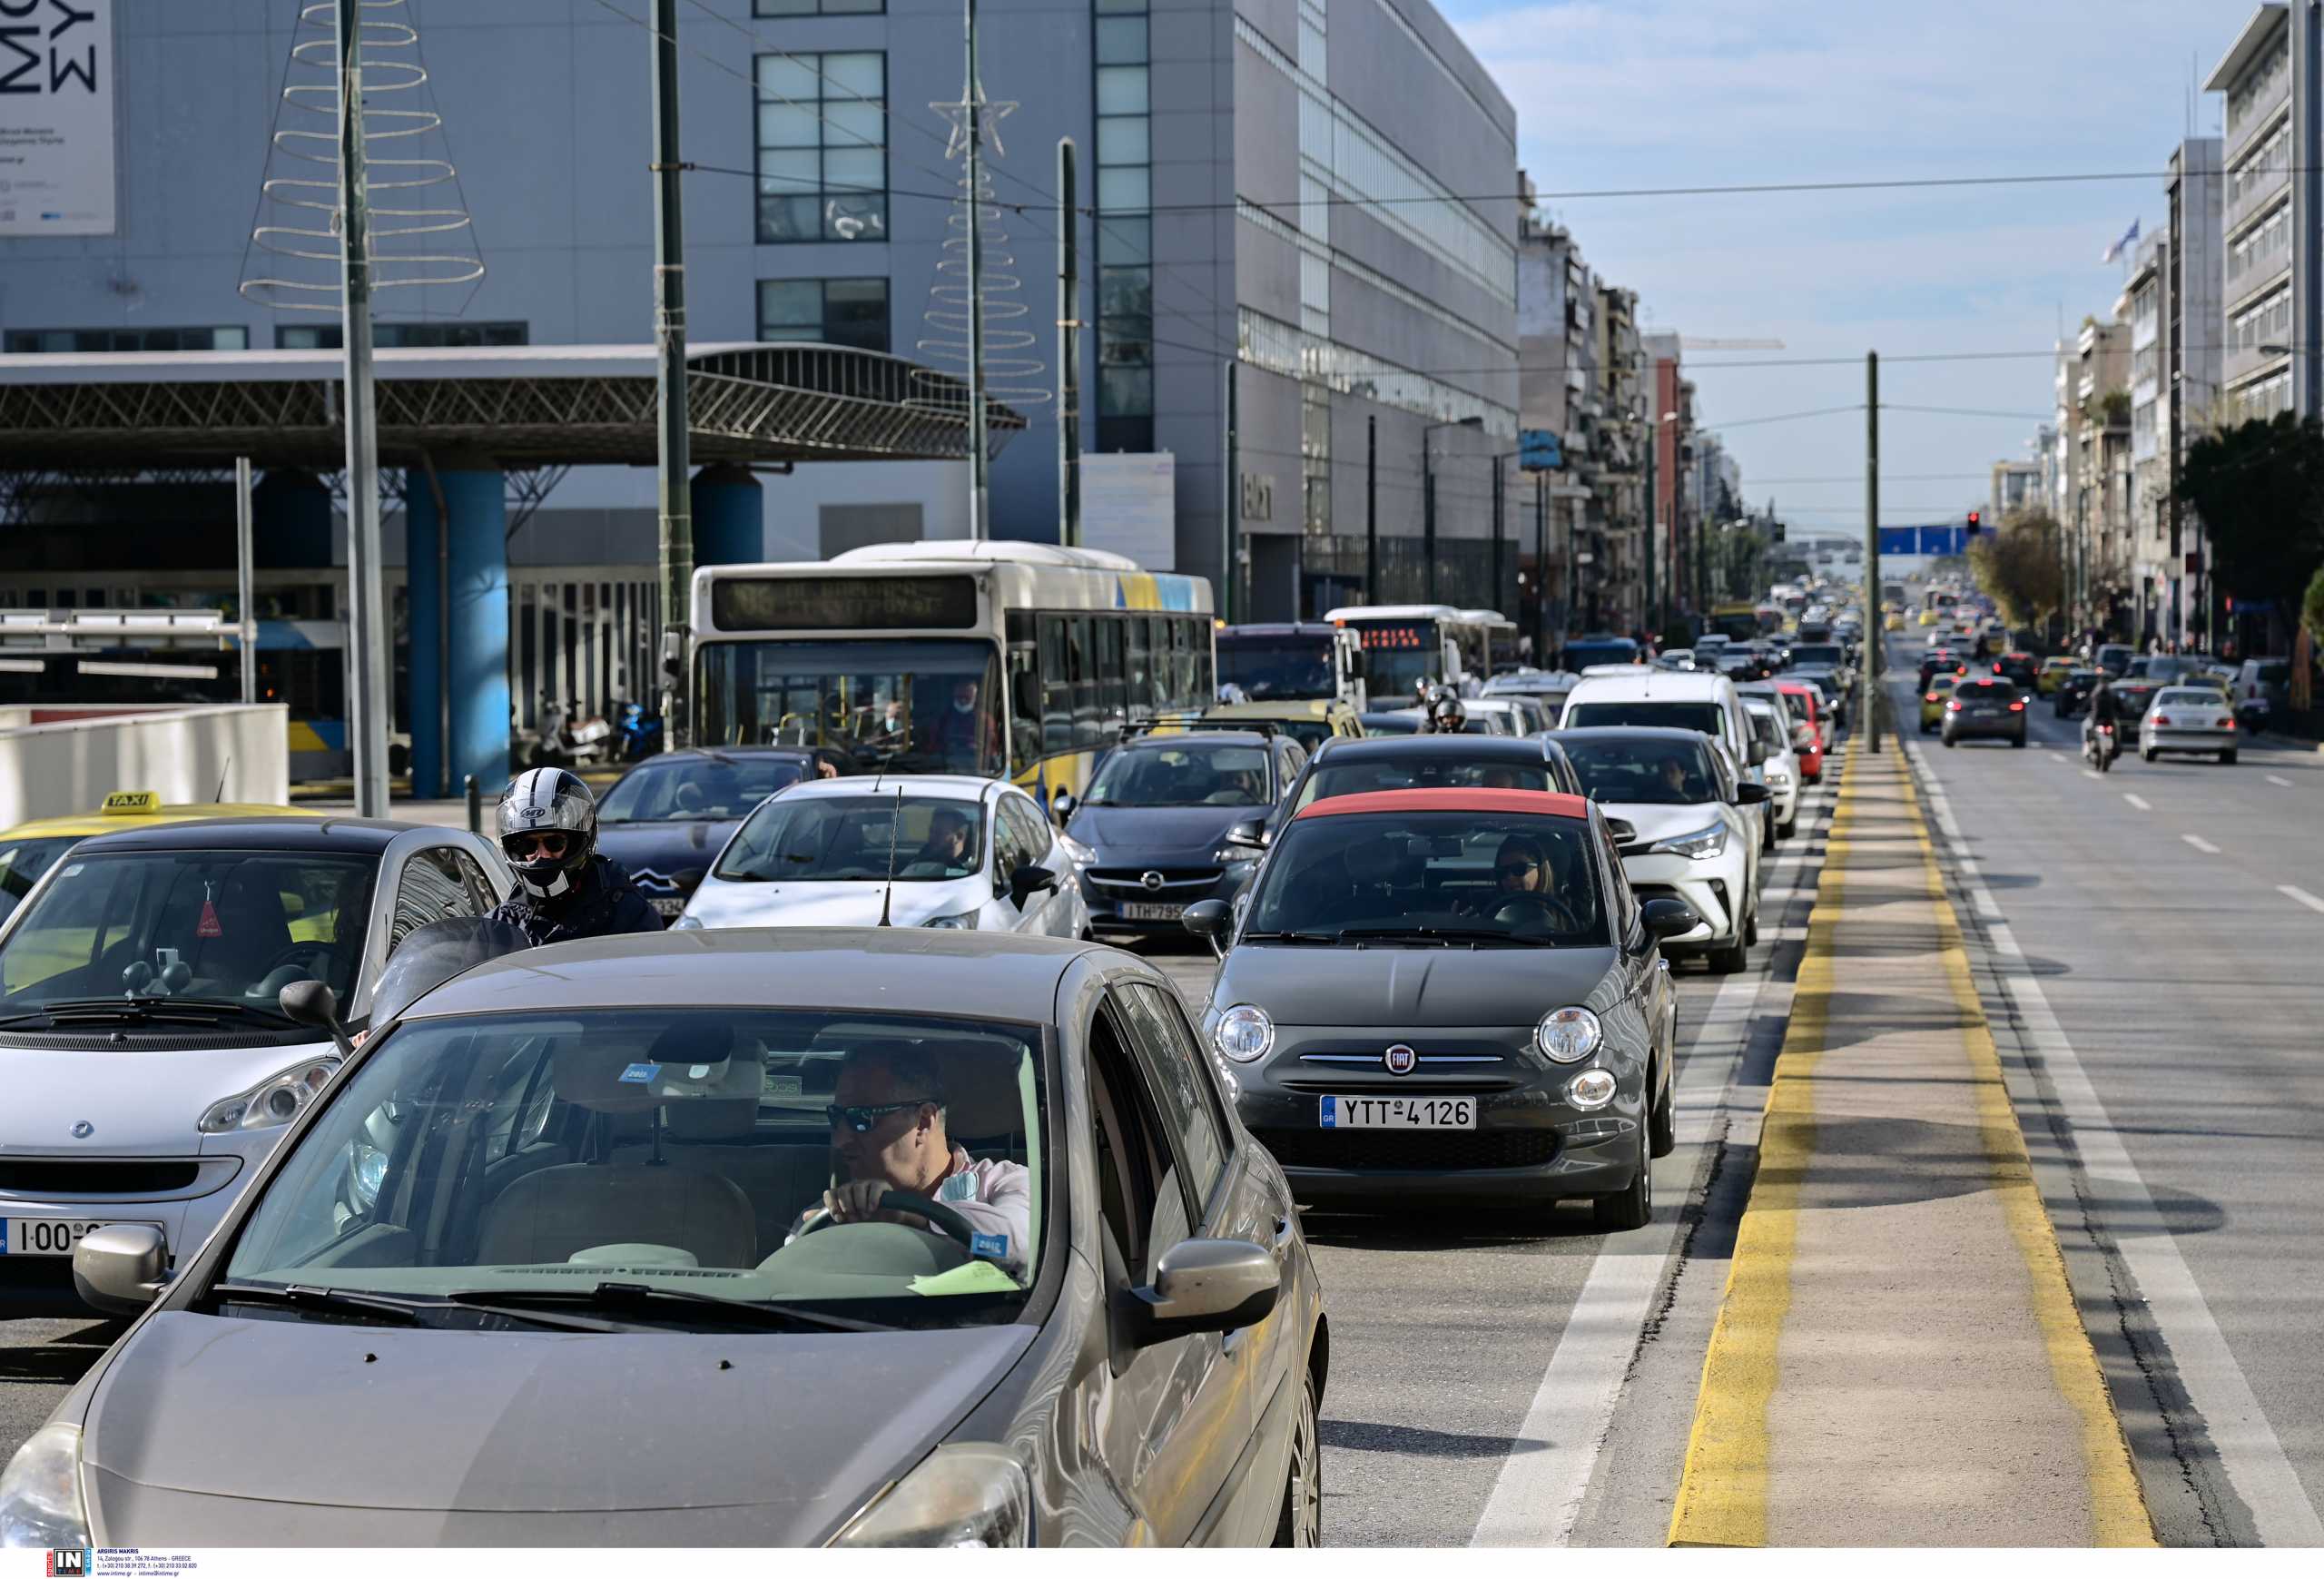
(666, 903)
(1399, 1113)
(1152, 912)
(45, 1236)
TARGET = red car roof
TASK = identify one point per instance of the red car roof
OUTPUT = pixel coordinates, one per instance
(1538, 803)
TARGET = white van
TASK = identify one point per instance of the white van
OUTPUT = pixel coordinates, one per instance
(1658, 698)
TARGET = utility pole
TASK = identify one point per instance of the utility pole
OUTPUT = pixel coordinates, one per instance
(1427, 519)
(1231, 514)
(675, 502)
(1372, 509)
(244, 572)
(1493, 603)
(979, 460)
(1069, 349)
(1872, 650)
(368, 700)
(1651, 609)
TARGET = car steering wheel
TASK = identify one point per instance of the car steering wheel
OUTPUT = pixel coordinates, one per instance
(951, 1223)
(1556, 913)
(295, 955)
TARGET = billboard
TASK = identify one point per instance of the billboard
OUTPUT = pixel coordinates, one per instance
(1129, 506)
(57, 142)
(1540, 450)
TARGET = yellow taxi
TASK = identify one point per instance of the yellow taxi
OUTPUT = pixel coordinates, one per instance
(29, 849)
(1896, 621)
(2051, 675)
(1928, 616)
(1309, 722)
(1940, 687)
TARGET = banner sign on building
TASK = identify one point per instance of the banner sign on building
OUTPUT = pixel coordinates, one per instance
(1129, 506)
(1540, 450)
(57, 142)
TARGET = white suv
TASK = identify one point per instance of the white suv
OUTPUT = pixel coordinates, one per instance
(1707, 704)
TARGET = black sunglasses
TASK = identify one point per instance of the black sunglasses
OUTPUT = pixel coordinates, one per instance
(861, 1119)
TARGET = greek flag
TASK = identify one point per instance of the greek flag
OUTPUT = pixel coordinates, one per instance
(2117, 250)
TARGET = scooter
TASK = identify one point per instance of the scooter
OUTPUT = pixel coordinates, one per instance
(641, 732)
(568, 740)
(2100, 747)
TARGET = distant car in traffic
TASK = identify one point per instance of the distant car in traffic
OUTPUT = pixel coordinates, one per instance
(1784, 776)
(1310, 722)
(601, 1220)
(2073, 691)
(667, 819)
(1450, 993)
(1935, 692)
(2193, 719)
(1985, 707)
(2050, 675)
(948, 851)
(147, 1064)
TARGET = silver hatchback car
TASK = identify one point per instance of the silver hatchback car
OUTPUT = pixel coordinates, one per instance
(865, 1238)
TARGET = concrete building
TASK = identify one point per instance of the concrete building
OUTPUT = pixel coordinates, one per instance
(2100, 475)
(2272, 154)
(2192, 328)
(2017, 489)
(1562, 395)
(2145, 305)
(1613, 556)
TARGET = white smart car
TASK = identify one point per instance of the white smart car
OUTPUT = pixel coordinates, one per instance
(939, 850)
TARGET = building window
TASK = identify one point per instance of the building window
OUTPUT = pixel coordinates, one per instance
(1125, 226)
(830, 311)
(818, 7)
(404, 336)
(102, 341)
(822, 147)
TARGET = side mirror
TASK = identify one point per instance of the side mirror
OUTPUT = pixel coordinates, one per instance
(1757, 752)
(1061, 804)
(1202, 1286)
(1752, 794)
(1209, 920)
(122, 1270)
(1028, 880)
(1250, 834)
(312, 1003)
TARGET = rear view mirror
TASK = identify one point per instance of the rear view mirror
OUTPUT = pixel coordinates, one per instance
(1752, 794)
(1209, 920)
(1757, 752)
(1203, 1286)
(1061, 804)
(122, 1270)
(312, 1004)
(1028, 880)
(1250, 834)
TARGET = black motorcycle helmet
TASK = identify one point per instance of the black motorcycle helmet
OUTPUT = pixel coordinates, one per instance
(547, 800)
(1446, 715)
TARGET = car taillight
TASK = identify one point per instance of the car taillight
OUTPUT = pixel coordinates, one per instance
(1930, 697)
(2227, 724)
(1996, 668)
(1953, 706)
(2017, 706)
(2163, 717)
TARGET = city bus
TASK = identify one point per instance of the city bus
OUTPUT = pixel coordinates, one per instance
(1735, 621)
(997, 659)
(1308, 661)
(1495, 643)
(1405, 643)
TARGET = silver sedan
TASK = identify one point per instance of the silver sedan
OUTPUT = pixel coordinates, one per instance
(2193, 719)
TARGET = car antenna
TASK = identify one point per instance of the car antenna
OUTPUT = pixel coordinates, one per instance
(895, 826)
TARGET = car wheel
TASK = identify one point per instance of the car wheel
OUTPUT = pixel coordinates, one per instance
(2018, 743)
(1948, 743)
(1663, 1137)
(2226, 759)
(1751, 926)
(2146, 755)
(1767, 832)
(1786, 830)
(1730, 957)
(1628, 1208)
(1301, 1523)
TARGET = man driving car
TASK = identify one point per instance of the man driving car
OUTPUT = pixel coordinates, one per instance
(888, 1126)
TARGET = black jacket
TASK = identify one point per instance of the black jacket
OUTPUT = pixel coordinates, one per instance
(2104, 707)
(601, 903)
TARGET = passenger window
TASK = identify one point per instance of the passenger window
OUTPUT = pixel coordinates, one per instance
(1030, 830)
(1626, 911)
(1189, 1101)
(478, 886)
(431, 890)
(1138, 1196)
(1009, 851)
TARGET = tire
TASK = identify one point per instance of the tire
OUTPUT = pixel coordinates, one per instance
(1786, 830)
(1948, 743)
(1301, 1522)
(1768, 832)
(1728, 958)
(1662, 1126)
(2018, 743)
(2226, 759)
(2146, 755)
(1751, 927)
(1625, 1210)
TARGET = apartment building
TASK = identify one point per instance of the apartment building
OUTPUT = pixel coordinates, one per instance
(2192, 331)
(2273, 163)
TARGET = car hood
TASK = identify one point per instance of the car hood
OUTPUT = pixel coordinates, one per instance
(1405, 988)
(665, 857)
(1178, 834)
(718, 903)
(353, 1421)
(138, 1101)
(1654, 821)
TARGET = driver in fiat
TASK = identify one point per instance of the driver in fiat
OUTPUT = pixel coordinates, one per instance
(887, 1120)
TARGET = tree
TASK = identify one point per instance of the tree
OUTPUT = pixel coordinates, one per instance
(2311, 607)
(2259, 488)
(2017, 567)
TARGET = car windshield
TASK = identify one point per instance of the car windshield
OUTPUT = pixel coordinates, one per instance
(1644, 771)
(1703, 717)
(1443, 878)
(22, 863)
(916, 707)
(2188, 697)
(1970, 691)
(856, 839)
(1430, 770)
(1182, 775)
(1275, 668)
(233, 926)
(697, 789)
(536, 1158)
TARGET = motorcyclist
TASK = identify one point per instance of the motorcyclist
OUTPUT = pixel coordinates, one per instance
(1445, 713)
(549, 829)
(2105, 708)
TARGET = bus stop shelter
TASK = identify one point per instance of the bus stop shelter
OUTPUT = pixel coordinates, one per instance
(461, 431)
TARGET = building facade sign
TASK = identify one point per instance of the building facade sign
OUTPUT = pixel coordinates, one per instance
(56, 118)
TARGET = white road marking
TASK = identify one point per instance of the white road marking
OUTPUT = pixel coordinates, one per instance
(2301, 894)
(2274, 780)
(2249, 1450)
(2088, 774)
(2205, 845)
(2136, 801)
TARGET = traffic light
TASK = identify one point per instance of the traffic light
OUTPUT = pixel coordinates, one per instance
(1974, 527)
(1777, 529)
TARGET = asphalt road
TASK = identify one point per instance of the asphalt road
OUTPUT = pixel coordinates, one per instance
(2152, 940)
(1479, 1358)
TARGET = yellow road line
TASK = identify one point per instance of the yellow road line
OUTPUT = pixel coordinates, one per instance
(2118, 1510)
(1723, 1489)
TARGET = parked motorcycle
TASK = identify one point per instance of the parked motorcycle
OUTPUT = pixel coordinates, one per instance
(640, 731)
(569, 740)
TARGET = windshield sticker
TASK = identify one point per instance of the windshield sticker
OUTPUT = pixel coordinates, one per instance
(640, 1074)
(969, 1278)
(785, 1085)
(988, 1246)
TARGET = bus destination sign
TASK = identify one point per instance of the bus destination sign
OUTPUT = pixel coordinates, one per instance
(844, 603)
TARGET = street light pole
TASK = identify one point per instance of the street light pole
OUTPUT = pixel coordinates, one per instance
(366, 677)
(1872, 548)
(672, 458)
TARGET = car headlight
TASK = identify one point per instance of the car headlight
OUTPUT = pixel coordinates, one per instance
(1777, 775)
(1080, 853)
(1591, 1089)
(40, 1492)
(687, 923)
(965, 1495)
(964, 922)
(273, 1103)
(1567, 1035)
(1244, 1034)
(1699, 845)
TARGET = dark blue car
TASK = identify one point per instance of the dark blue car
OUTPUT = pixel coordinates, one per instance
(667, 819)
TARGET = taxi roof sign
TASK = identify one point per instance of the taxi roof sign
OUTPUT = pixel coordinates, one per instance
(131, 803)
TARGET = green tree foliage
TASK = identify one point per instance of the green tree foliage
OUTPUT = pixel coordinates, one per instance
(2017, 567)
(2311, 607)
(2259, 489)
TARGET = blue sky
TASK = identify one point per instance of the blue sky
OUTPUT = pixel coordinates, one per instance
(1615, 94)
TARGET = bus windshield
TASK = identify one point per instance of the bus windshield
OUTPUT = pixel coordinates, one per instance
(1272, 669)
(909, 705)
